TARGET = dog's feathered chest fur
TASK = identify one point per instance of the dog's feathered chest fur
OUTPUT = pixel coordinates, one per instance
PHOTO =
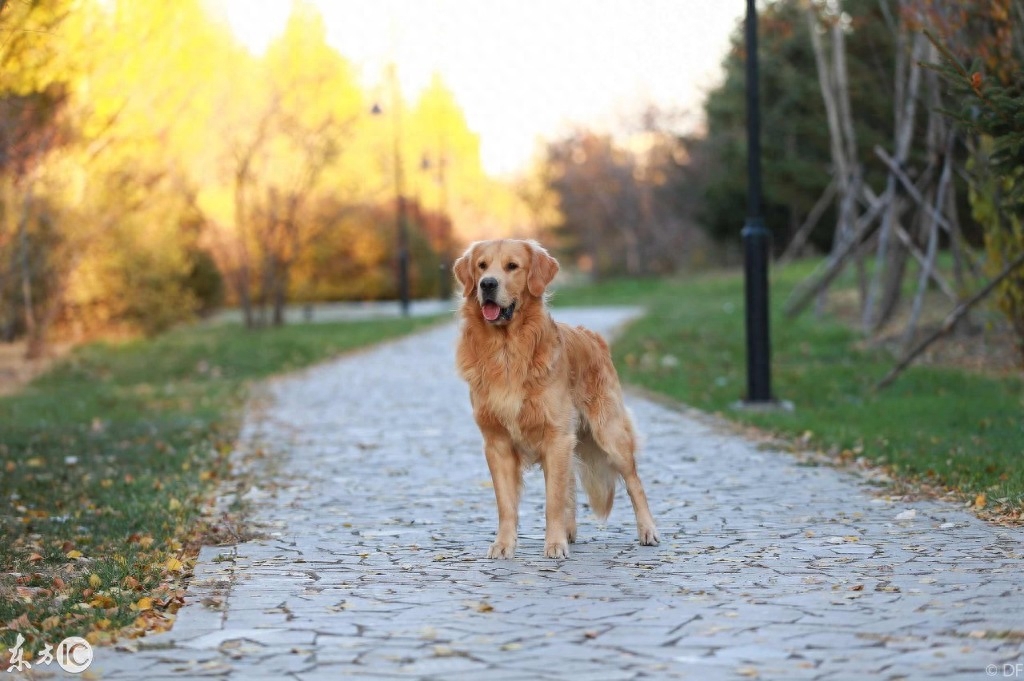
(509, 369)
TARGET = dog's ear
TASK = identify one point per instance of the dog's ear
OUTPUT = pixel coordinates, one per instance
(463, 269)
(543, 269)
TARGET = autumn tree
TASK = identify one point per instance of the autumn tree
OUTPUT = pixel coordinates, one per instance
(316, 103)
(146, 157)
(982, 54)
(623, 207)
(33, 99)
(142, 132)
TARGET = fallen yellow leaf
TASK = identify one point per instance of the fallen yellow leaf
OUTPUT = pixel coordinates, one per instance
(145, 603)
(73, 554)
(146, 542)
(34, 557)
(173, 504)
(174, 565)
(95, 581)
(980, 500)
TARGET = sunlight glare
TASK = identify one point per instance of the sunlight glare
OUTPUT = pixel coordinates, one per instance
(521, 72)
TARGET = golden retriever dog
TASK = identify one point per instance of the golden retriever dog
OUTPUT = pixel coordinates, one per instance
(542, 392)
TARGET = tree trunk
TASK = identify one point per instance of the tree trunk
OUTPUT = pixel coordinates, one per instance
(891, 257)
(847, 174)
(280, 295)
(36, 344)
(827, 85)
(933, 238)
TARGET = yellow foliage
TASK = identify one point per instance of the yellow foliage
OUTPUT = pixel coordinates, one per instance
(1004, 236)
(179, 141)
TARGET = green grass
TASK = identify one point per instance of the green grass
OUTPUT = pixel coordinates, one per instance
(113, 454)
(938, 426)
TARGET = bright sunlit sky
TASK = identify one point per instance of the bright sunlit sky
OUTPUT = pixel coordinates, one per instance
(525, 69)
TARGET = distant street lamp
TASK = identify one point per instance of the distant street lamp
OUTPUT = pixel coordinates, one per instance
(756, 238)
(443, 233)
(401, 221)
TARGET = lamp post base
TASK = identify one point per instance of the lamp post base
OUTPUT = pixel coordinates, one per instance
(763, 406)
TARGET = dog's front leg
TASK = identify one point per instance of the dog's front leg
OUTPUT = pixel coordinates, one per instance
(558, 478)
(506, 475)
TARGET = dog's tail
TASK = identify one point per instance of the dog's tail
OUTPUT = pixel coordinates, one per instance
(597, 475)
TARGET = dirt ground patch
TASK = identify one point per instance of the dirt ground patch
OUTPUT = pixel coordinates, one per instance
(16, 371)
(983, 342)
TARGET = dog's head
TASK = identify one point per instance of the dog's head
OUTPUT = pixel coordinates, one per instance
(504, 275)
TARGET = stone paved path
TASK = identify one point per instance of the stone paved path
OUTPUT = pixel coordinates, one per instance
(373, 563)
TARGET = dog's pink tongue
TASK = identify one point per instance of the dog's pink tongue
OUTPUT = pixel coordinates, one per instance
(491, 311)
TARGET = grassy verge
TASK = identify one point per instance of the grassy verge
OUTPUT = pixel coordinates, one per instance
(960, 431)
(108, 460)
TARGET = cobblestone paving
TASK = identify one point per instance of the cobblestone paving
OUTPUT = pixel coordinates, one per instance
(373, 566)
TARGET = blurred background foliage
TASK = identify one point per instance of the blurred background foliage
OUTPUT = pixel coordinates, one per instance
(152, 169)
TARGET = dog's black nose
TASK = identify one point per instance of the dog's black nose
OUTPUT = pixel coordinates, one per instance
(488, 284)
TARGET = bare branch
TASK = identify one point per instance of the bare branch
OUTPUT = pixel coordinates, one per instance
(950, 322)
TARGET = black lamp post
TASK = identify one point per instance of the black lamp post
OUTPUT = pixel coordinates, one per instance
(401, 224)
(756, 238)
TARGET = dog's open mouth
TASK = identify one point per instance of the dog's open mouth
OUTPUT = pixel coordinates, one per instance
(494, 313)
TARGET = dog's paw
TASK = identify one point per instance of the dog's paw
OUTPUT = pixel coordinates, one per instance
(500, 549)
(556, 549)
(648, 535)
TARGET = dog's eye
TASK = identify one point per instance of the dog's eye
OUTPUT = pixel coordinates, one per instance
(482, 265)
(511, 266)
